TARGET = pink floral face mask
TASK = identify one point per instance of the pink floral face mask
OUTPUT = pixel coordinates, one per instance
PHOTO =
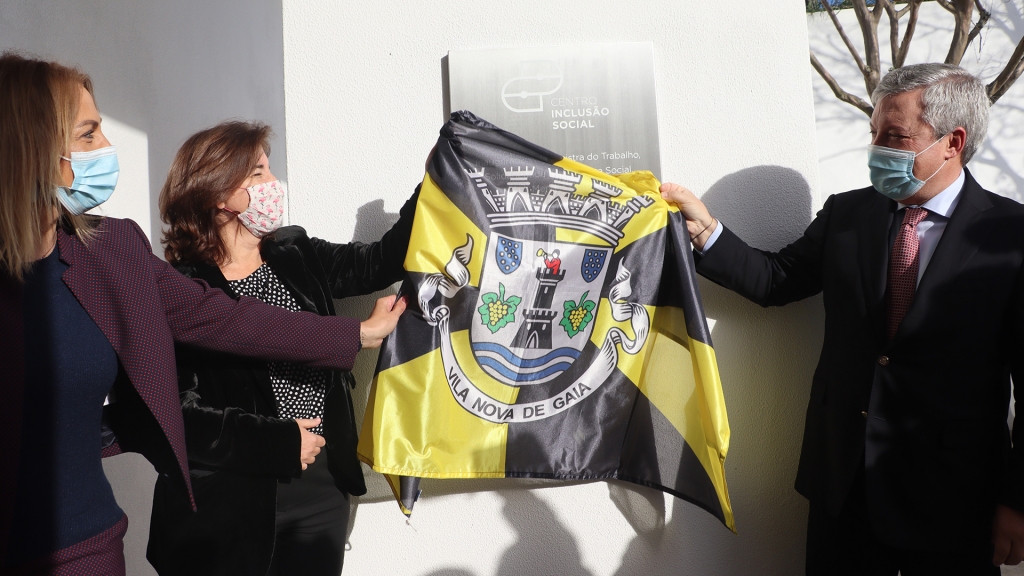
(266, 208)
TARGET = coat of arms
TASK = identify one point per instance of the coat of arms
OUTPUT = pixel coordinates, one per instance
(541, 288)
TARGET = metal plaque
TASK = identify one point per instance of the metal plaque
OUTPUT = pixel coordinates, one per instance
(593, 103)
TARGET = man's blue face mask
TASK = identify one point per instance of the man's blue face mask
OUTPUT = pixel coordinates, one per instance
(892, 171)
(95, 178)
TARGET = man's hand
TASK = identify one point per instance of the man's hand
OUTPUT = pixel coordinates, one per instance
(311, 443)
(699, 222)
(1008, 536)
(381, 321)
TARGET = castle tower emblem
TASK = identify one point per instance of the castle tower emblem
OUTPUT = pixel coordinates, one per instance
(538, 320)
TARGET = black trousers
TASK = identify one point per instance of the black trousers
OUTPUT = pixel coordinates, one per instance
(312, 525)
(846, 546)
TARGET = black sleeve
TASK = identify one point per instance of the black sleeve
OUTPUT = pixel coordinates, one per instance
(356, 268)
(1013, 483)
(233, 439)
(769, 278)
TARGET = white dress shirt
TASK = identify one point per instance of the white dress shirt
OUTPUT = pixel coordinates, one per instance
(929, 230)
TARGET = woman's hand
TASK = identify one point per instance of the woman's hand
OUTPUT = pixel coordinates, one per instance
(381, 321)
(699, 222)
(311, 443)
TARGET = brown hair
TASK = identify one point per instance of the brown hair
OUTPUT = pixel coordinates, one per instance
(38, 105)
(206, 170)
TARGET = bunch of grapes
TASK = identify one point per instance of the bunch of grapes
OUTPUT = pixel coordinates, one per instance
(496, 311)
(576, 316)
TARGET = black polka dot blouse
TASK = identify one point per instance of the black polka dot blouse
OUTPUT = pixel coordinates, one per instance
(299, 391)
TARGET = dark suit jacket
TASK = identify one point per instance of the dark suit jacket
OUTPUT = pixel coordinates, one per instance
(925, 414)
(142, 305)
(238, 447)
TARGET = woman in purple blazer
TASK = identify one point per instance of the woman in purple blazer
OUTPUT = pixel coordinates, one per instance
(88, 321)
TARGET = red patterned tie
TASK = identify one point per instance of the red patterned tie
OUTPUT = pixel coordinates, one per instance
(903, 269)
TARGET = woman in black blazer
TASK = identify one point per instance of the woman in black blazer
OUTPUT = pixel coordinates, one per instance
(268, 501)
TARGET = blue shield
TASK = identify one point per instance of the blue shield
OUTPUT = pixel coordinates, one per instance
(593, 262)
(508, 254)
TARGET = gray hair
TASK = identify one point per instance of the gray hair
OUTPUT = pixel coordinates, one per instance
(952, 97)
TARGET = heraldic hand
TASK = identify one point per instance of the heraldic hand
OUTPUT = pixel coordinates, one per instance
(381, 321)
(311, 443)
(699, 222)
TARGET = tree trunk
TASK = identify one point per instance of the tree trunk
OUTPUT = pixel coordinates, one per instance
(963, 11)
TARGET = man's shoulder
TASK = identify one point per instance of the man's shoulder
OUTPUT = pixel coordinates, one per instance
(1004, 205)
(855, 204)
(992, 204)
(855, 197)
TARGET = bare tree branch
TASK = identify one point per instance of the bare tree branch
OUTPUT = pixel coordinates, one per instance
(965, 31)
(1013, 69)
(915, 10)
(894, 31)
(963, 10)
(899, 49)
(983, 16)
(841, 94)
(842, 34)
(868, 20)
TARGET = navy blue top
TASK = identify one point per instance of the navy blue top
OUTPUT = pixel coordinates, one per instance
(63, 497)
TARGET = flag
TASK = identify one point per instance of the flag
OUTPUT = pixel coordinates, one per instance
(555, 330)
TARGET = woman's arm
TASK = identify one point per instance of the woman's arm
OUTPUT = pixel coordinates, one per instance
(356, 268)
(231, 438)
(208, 318)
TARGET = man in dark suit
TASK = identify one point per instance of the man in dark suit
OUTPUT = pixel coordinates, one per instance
(907, 459)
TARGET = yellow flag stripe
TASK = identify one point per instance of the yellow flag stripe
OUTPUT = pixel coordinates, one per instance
(437, 230)
(640, 183)
(690, 399)
(419, 430)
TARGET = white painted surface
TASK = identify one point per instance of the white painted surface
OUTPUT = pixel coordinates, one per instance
(131, 198)
(363, 105)
(161, 70)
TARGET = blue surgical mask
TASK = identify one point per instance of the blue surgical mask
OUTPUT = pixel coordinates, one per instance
(95, 178)
(892, 171)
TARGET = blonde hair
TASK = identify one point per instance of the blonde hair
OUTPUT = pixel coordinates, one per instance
(38, 106)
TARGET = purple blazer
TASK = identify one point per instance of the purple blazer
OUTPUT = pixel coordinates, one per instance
(143, 305)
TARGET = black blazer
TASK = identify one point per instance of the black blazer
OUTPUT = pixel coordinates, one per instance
(238, 448)
(925, 414)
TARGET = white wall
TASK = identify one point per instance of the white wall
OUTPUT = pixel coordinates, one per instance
(161, 70)
(363, 106)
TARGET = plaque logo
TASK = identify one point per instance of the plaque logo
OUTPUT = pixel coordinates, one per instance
(526, 93)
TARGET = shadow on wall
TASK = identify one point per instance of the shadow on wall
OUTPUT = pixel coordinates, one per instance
(766, 359)
(538, 528)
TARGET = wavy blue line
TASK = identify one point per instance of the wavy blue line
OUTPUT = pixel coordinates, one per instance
(523, 362)
(501, 369)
